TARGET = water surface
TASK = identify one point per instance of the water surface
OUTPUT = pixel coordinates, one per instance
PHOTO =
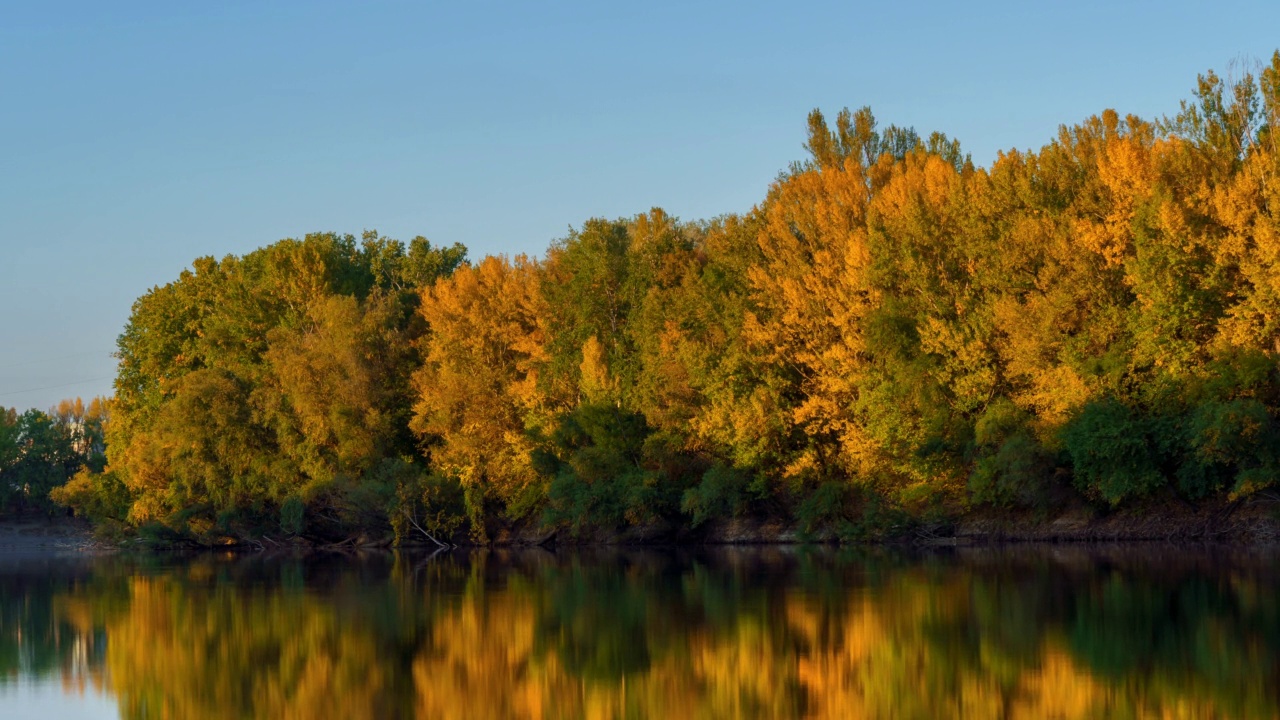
(1068, 632)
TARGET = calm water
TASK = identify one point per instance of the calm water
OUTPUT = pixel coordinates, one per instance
(1026, 632)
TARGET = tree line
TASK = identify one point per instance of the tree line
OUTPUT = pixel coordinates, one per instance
(891, 335)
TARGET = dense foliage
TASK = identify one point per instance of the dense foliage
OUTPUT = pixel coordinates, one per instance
(892, 332)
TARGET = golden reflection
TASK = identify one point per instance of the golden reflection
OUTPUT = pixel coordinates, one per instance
(482, 664)
(503, 637)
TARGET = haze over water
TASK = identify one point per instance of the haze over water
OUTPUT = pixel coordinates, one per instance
(1064, 632)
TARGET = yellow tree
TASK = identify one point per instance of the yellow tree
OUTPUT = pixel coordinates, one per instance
(477, 391)
(1065, 215)
(811, 295)
(927, 340)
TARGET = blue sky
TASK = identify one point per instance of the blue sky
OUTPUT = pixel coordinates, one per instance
(139, 136)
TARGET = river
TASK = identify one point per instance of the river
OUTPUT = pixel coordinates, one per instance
(1069, 631)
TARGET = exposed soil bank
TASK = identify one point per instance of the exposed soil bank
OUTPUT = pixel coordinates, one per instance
(1243, 522)
(44, 536)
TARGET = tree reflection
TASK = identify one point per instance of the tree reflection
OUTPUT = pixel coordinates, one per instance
(716, 634)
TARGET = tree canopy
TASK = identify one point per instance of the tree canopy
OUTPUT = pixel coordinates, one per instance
(891, 331)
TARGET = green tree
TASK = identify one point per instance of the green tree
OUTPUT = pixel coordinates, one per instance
(37, 454)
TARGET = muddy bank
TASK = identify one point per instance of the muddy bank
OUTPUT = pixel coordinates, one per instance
(44, 536)
(1255, 521)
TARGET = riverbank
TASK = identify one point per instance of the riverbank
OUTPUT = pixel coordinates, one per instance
(1245, 522)
(1253, 521)
(44, 536)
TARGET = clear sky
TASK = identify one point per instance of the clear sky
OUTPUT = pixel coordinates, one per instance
(140, 136)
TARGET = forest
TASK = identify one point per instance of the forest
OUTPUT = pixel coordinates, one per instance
(891, 336)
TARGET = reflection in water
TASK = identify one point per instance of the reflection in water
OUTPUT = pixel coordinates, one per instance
(1027, 633)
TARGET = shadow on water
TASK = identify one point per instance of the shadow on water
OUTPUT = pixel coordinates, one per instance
(1026, 631)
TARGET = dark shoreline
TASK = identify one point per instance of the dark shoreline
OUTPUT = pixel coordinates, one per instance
(1243, 522)
(1240, 523)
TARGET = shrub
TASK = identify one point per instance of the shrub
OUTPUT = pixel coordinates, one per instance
(722, 493)
(596, 461)
(415, 501)
(1113, 455)
(100, 497)
(293, 515)
(1016, 473)
(827, 506)
(1234, 442)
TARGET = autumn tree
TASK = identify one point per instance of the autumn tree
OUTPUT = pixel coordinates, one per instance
(478, 391)
(280, 377)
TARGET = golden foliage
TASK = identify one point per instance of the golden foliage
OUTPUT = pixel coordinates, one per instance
(478, 386)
